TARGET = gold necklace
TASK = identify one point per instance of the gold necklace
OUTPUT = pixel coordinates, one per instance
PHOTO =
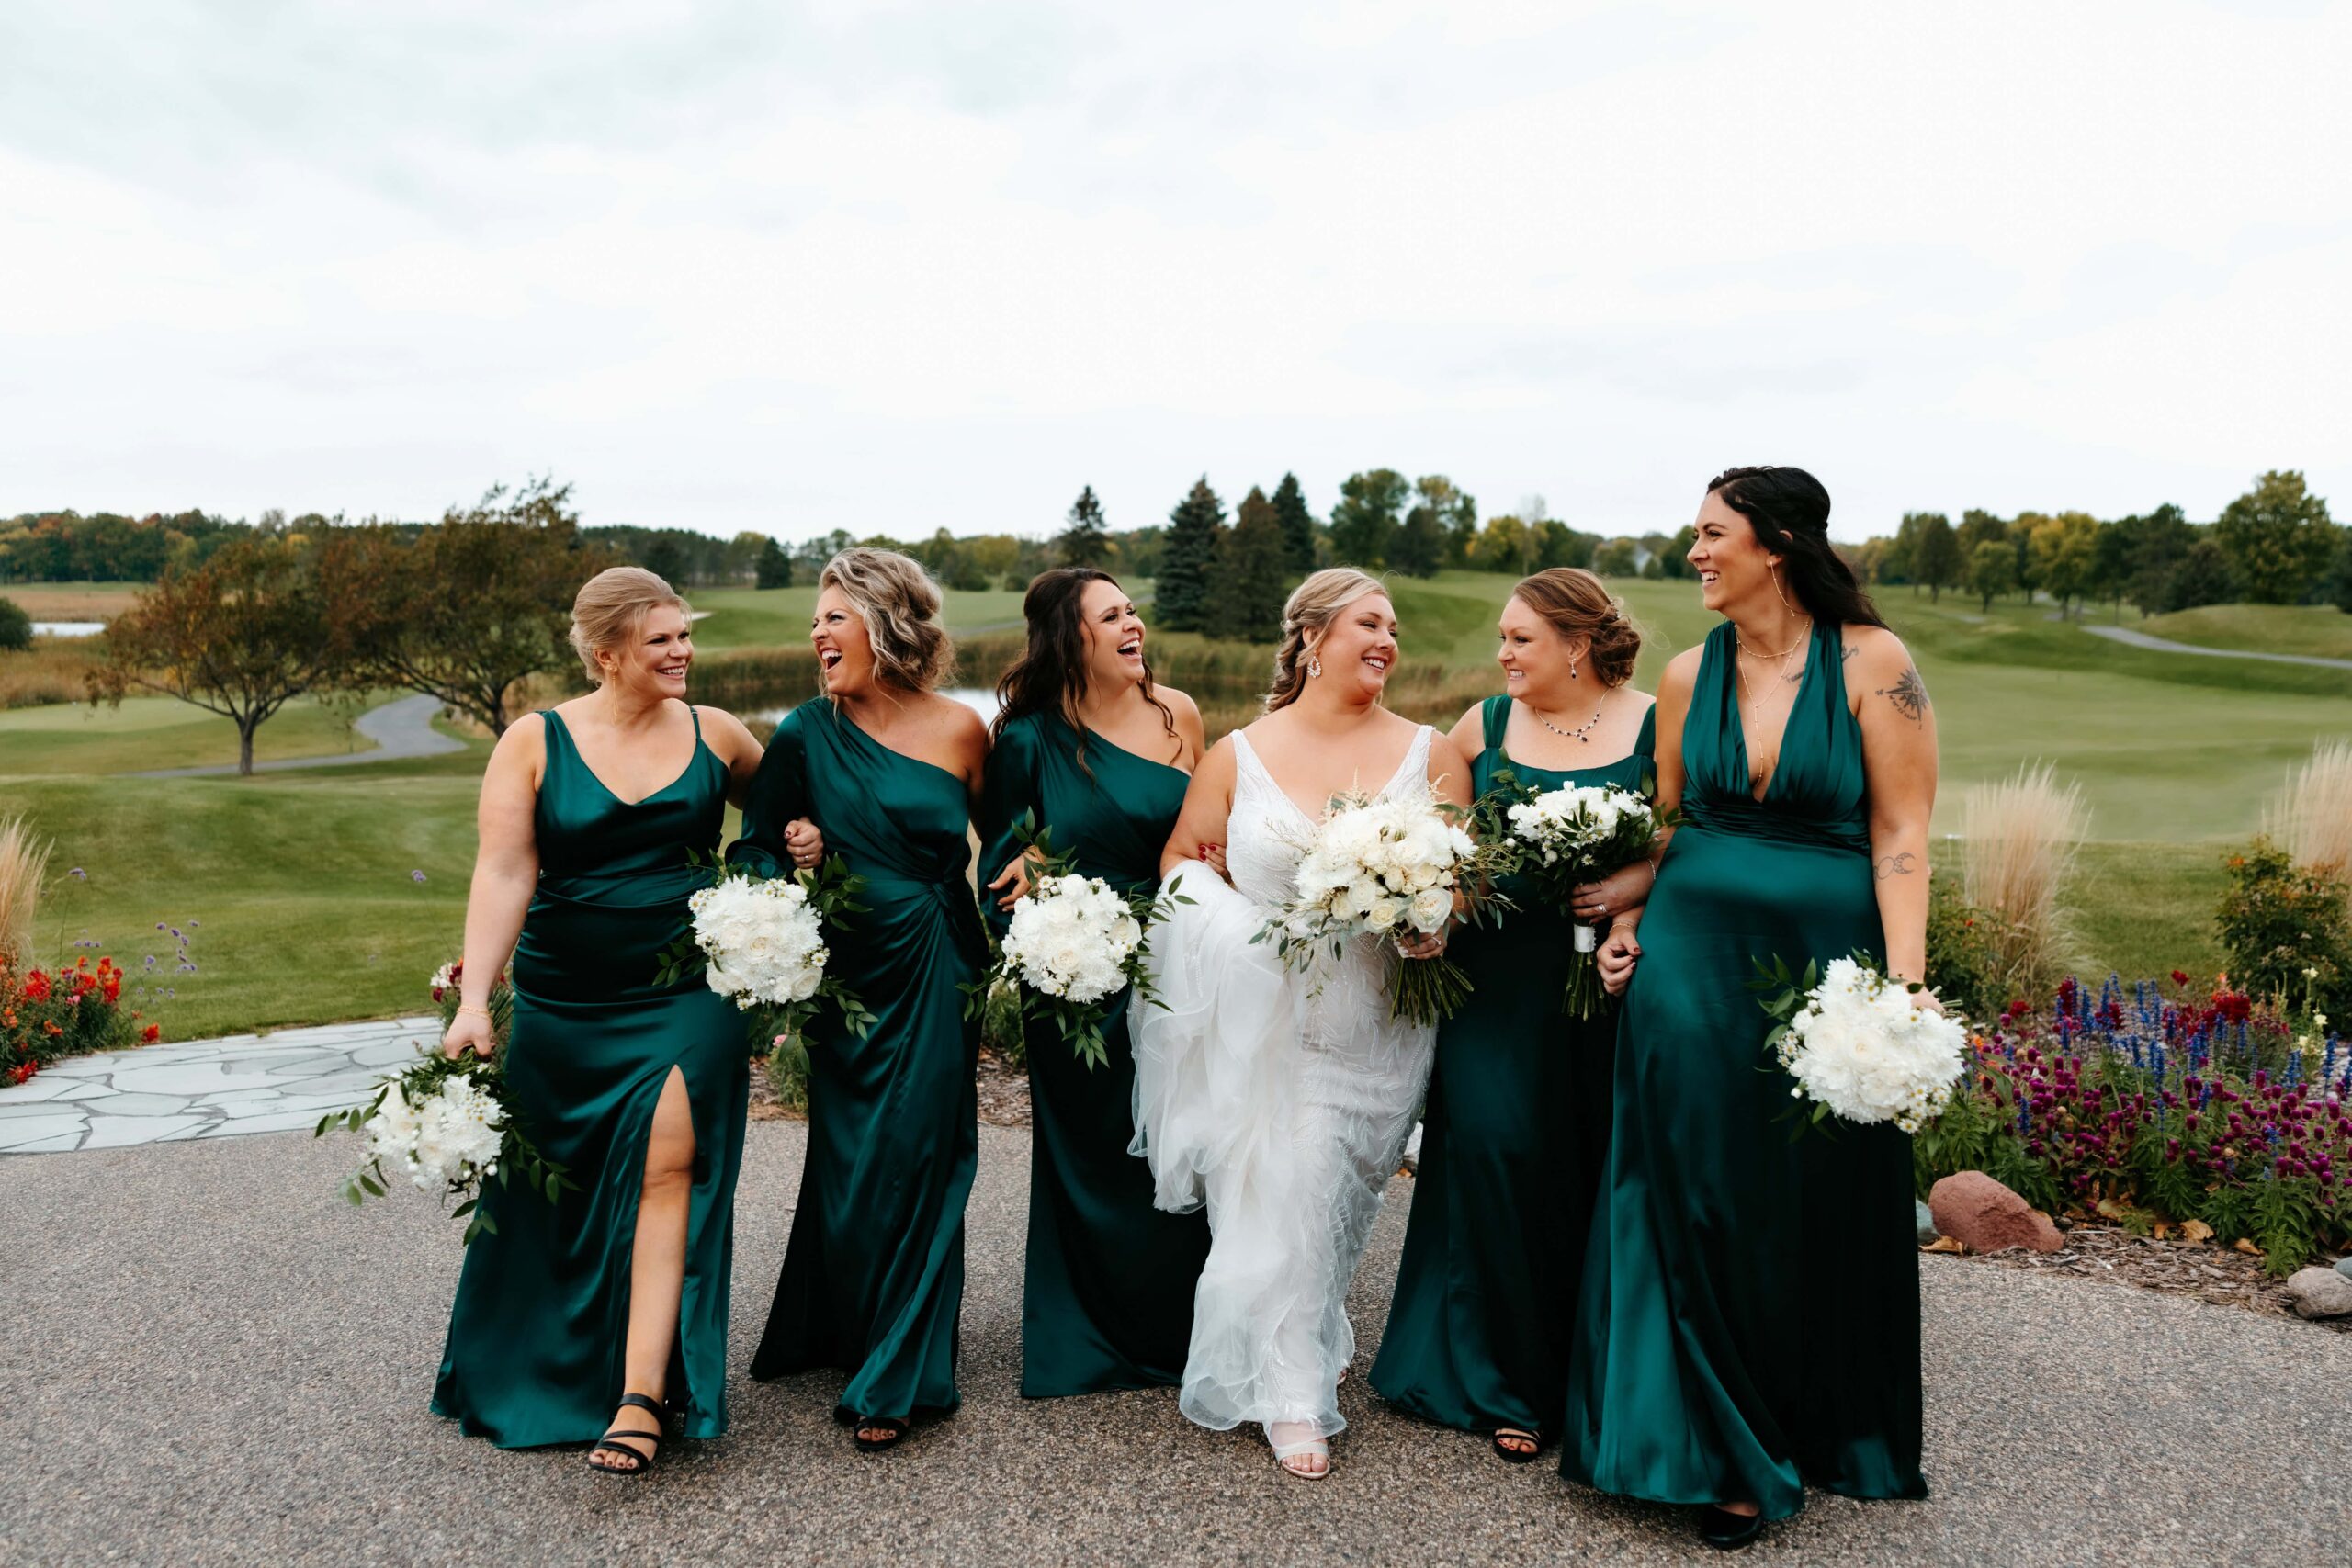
(1739, 679)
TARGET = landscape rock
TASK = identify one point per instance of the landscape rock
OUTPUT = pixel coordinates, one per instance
(2344, 1266)
(1926, 1220)
(1973, 1208)
(2320, 1291)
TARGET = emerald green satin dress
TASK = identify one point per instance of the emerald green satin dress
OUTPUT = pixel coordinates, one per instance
(1750, 1315)
(537, 1332)
(1107, 1294)
(1513, 1140)
(873, 1279)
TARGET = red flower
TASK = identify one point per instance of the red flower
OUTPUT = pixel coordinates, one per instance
(151, 1033)
(36, 987)
(21, 1071)
(2179, 977)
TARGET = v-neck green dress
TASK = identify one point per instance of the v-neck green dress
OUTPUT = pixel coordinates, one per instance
(873, 1279)
(1513, 1141)
(1750, 1316)
(537, 1332)
(1107, 1294)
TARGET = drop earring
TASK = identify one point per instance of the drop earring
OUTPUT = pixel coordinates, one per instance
(1776, 589)
(1314, 666)
(1572, 668)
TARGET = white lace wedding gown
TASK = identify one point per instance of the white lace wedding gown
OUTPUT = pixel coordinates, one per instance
(1282, 1101)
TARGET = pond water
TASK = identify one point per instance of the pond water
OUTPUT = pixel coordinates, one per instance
(68, 628)
(979, 701)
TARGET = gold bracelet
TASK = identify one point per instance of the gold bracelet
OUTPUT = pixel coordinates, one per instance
(474, 1008)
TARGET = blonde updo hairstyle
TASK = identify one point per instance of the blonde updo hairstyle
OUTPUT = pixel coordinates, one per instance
(611, 607)
(1306, 616)
(899, 604)
(1573, 603)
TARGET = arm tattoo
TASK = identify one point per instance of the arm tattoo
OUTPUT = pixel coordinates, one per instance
(1909, 694)
(1900, 864)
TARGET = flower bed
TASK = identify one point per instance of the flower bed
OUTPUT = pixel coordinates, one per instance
(2161, 1109)
(48, 1015)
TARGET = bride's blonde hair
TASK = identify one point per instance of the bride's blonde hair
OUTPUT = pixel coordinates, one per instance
(1306, 616)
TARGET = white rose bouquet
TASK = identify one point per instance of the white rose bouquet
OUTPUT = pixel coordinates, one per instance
(762, 941)
(1577, 834)
(443, 1124)
(1074, 943)
(1858, 1046)
(1386, 867)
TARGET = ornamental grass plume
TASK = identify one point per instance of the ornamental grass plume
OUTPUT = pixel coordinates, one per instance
(23, 861)
(2020, 837)
(2311, 816)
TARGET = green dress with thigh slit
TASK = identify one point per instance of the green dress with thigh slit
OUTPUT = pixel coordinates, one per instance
(1750, 1316)
(1513, 1140)
(1107, 1296)
(537, 1332)
(873, 1279)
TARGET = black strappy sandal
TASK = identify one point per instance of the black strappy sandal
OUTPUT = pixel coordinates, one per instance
(1515, 1456)
(892, 1430)
(610, 1442)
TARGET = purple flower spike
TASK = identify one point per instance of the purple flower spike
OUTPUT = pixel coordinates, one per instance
(416, 877)
(79, 874)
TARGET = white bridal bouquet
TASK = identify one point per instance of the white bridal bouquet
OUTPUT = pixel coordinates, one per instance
(1858, 1047)
(1578, 834)
(1384, 867)
(1074, 941)
(443, 1124)
(762, 940)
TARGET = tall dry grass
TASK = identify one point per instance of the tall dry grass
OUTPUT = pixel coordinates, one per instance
(2311, 816)
(2018, 841)
(56, 670)
(24, 861)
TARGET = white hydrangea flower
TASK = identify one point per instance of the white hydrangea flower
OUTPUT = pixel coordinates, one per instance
(1071, 937)
(764, 944)
(1861, 1047)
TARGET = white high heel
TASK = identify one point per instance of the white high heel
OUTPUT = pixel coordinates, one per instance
(1308, 1458)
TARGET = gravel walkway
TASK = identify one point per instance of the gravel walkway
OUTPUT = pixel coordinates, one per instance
(402, 727)
(212, 1359)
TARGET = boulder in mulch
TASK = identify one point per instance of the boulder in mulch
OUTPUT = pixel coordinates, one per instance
(2320, 1291)
(1973, 1209)
(1925, 1220)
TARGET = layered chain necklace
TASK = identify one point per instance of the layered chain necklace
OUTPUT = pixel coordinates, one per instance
(1756, 704)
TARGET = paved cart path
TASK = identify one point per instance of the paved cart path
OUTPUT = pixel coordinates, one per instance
(2165, 645)
(401, 728)
(212, 1359)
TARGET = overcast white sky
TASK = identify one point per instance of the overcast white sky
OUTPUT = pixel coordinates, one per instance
(897, 266)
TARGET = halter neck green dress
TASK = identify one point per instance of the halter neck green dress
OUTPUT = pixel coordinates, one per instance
(1514, 1139)
(537, 1334)
(1107, 1297)
(873, 1279)
(1750, 1315)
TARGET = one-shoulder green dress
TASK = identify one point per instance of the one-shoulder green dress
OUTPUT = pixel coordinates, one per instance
(1750, 1316)
(873, 1279)
(537, 1331)
(1107, 1299)
(1513, 1140)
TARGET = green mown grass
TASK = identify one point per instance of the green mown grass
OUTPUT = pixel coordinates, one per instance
(2321, 631)
(755, 617)
(162, 732)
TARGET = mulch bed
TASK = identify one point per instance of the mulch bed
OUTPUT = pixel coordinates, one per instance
(2210, 1273)
(1004, 1094)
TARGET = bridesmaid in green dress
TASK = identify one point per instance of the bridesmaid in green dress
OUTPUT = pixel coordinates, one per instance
(886, 768)
(1750, 1315)
(1516, 1127)
(616, 1290)
(1098, 757)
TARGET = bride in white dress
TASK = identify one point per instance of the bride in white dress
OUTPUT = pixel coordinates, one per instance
(1283, 1100)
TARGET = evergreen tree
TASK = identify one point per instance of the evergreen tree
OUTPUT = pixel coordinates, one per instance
(1252, 574)
(1188, 565)
(1364, 523)
(1297, 524)
(2201, 578)
(1420, 546)
(2278, 538)
(1084, 542)
(773, 567)
(2155, 543)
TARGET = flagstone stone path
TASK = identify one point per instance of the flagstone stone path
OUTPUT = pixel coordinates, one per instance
(210, 1089)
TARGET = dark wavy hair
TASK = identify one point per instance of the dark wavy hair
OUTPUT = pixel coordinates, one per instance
(1050, 674)
(1789, 509)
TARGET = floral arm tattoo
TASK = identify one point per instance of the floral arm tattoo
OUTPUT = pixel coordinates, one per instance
(1909, 694)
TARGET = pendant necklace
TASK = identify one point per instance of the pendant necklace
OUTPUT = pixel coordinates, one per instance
(1582, 733)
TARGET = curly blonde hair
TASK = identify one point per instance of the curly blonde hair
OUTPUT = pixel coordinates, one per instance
(611, 606)
(1574, 603)
(899, 604)
(1306, 616)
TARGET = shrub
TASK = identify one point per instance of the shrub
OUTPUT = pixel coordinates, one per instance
(2145, 1108)
(2019, 841)
(16, 627)
(1963, 965)
(2287, 930)
(48, 1015)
